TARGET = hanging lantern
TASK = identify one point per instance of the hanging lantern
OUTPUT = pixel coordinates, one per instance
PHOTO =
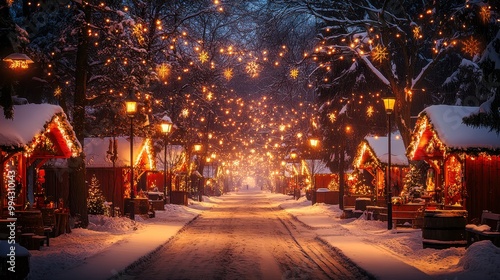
(18, 61)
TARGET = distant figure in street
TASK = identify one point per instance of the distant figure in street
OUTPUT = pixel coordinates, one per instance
(247, 186)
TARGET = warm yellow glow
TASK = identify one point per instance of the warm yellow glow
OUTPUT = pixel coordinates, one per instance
(314, 142)
(203, 57)
(131, 107)
(197, 147)
(379, 53)
(18, 61)
(166, 127)
(252, 69)
(228, 74)
(389, 104)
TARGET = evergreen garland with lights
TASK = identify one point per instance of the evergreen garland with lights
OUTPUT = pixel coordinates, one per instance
(95, 200)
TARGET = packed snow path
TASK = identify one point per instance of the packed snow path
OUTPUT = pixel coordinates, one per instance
(245, 237)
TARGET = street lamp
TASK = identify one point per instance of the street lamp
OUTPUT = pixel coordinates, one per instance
(166, 128)
(18, 61)
(131, 106)
(389, 107)
(296, 191)
(197, 149)
(313, 142)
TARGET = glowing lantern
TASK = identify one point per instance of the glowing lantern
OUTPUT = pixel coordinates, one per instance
(18, 61)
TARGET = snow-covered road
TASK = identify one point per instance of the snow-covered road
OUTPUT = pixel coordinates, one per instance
(245, 237)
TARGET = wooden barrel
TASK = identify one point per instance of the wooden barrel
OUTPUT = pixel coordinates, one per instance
(443, 229)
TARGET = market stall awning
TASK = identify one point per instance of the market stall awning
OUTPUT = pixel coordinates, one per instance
(40, 131)
(440, 130)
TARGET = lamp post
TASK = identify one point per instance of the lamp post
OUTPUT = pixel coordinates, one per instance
(313, 142)
(293, 157)
(166, 128)
(197, 149)
(389, 107)
(131, 105)
(18, 61)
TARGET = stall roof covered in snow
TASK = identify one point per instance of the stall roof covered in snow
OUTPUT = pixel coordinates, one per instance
(375, 149)
(35, 120)
(99, 152)
(440, 128)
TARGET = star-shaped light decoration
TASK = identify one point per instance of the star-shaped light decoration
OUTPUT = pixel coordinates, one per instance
(332, 117)
(485, 14)
(417, 32)
(228, 74)
(58, 92)
(163, 70)
(252, 69)
(294, 73)
(370, 111)
(137, 30)
(203, 57)
(471, 46)
(380, 53)
(210, 96)
(185, 113)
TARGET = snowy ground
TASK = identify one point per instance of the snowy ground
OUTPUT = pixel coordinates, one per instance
(480, 261)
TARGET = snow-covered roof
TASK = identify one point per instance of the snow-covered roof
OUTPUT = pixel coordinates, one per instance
(32, 120)
(98, 151)
(378, 147)
(445, 122)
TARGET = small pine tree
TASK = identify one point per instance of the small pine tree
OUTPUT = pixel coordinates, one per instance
(95, 200)
(413, 186)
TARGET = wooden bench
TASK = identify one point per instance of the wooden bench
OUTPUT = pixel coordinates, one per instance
(488, 229)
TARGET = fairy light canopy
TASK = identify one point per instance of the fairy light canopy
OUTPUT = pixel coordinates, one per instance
(39, 130)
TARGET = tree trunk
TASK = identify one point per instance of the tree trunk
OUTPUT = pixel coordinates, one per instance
(78, 189)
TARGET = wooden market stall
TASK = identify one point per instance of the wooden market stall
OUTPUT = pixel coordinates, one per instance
(37, 133)
(320, 176)
(464, 160)
(108, 159)
(372, 157)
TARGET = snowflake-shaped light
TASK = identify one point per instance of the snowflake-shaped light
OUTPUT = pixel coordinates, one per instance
(332, 117)
(203, 57)
(252, 69)
(370, 111)
(228, 74)
(58, 91)
(137, 30)
(163, 70)
(485, 14)
(294, 73)
(185, 113)
(380, 53)
(417, 32)
(471, 46)
(210, 96)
